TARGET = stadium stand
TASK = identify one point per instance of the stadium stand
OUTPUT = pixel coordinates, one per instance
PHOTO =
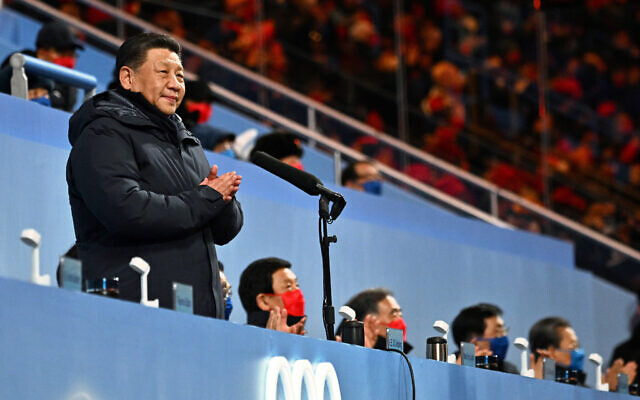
(590, 196)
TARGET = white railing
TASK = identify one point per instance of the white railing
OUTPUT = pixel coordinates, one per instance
(21, 64)
(495, 194)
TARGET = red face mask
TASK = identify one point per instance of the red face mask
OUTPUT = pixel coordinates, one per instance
(204, 111)
(293, 301)
(399, 323)
(65, 61)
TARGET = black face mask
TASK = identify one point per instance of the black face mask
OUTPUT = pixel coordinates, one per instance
(381, 344)
(260, 318)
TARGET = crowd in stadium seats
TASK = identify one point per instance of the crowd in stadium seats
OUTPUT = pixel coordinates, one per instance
(590, 69)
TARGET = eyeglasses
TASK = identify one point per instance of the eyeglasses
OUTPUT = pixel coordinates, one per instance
(504, 331)
(500, 332)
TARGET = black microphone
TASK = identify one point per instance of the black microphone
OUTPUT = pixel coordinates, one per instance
(300, 179)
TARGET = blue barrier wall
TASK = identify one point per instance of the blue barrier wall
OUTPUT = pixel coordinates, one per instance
(435, 262)
(64, 345)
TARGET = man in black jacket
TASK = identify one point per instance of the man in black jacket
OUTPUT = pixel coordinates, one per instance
(140, 185)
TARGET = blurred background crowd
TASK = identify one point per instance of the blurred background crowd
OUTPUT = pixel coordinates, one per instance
(457, 79)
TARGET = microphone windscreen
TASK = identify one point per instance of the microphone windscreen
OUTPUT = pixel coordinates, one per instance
(301, 179)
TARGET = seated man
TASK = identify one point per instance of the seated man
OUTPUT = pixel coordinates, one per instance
(554, 338)
(196, 109)
(39, 87)
(379, 310)
(362, 176)
(271, 297)
(55, 43)
(483, 326)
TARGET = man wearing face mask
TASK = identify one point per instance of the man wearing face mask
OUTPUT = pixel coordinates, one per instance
(282, 145)
(378, 310)
(39, 87)
(196, 110)
(362, 176)
(554, 338)
(56, 44)
(271, 297)
(482, 325)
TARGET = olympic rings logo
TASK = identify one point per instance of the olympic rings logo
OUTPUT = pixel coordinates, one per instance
(302, 372)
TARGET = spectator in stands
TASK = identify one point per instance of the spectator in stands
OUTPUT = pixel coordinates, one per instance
(226, 291)
(482, 325)
(378, 310)
(363, 176)
(554, 338)
(283, 145)
(140, 184)
(216, 140)
(196, 110)
(271, 297)
(39, 88)
(56, 44)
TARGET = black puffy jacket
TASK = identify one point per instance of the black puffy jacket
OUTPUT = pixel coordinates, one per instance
(133, 176)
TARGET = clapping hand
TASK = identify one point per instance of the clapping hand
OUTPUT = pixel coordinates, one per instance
(226, 184)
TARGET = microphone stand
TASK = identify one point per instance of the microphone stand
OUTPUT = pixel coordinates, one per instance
(328, 315)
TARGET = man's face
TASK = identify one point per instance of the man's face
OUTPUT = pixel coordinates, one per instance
(568, 342)
(388, 310)
(284, 280)
(52, 55)
(366, 172)
(493, 328)
(160, 79)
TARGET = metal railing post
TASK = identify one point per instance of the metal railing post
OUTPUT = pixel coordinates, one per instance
(120, 23)
(311, 119)
(19, 82)
(494, 204)
(312, 124)
(337, 166)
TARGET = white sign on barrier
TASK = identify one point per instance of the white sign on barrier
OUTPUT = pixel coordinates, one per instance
(302, 372)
